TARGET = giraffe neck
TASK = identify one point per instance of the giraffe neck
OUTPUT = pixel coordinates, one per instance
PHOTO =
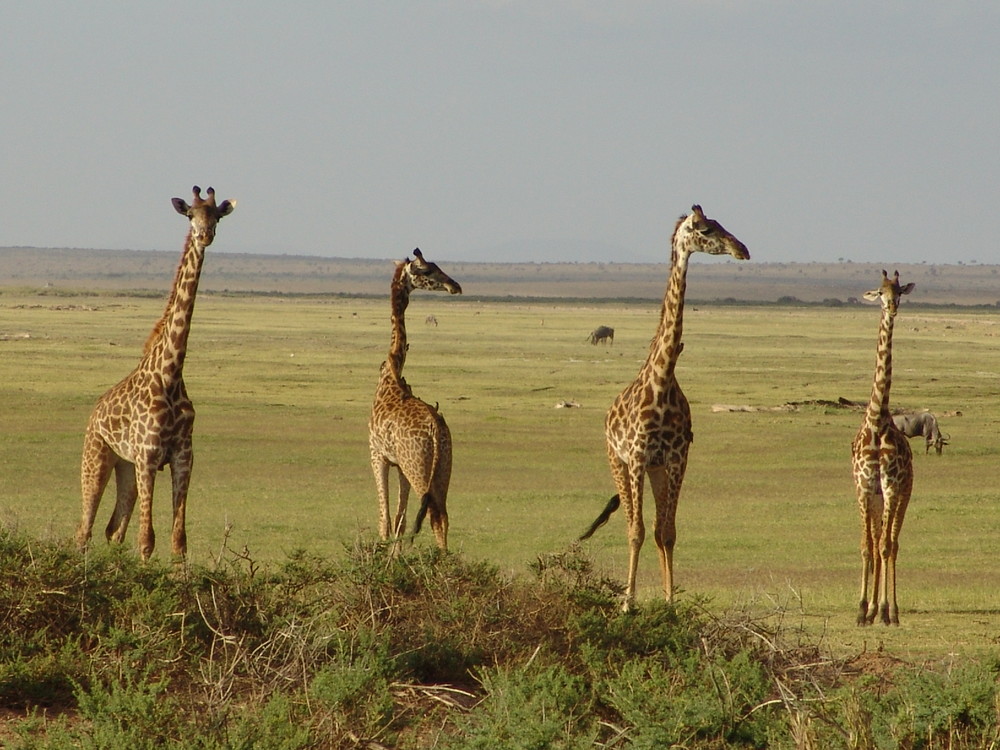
(399, 298)
(166, 346)
(878, 405)
(666, 344)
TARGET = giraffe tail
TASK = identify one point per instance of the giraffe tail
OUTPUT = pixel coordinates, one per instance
(425, 503)
(428, 498)
(602, 519)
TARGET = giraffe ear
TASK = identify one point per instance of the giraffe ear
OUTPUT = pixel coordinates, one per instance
(226, 208)
(181, 206)
(908, 288)
(873, 295)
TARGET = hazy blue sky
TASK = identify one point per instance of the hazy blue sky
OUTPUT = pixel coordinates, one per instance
(506, 130)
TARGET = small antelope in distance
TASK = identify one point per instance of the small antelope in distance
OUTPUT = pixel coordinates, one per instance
(923, 425)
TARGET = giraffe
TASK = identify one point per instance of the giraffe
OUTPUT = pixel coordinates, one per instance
(648, 427)
(404, 431)
(883, 473)
(145, 421)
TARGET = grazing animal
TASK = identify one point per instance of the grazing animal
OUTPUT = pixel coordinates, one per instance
(404, 431)
(602, 334)
(431, 321)
(883, 473)
(923, 425)
(145, 422)
(648, 427)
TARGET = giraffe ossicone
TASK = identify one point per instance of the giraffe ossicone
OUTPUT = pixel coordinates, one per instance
(648, 427)
(882, 465)
(145, 422)
(404, 431)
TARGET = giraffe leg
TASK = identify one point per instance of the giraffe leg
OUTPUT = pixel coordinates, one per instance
(867, 569)
(884, 584)
(124, 503)
(869, 605)
(438, 510)
(878, 573)
(181, 465)
(666, 489)
(439, 523)
(430, 505)
(888, 550)
(889, 610)
(380, 468)
(891, 582)
(882, 552)
(870, 504)
(95, 471)
(145, 475)
(399, 522)
(439, 507)
(866, 576)
(636, 532)
(897, 526)
(623, 484)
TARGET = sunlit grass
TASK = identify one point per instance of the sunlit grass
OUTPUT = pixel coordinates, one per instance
(283, 388)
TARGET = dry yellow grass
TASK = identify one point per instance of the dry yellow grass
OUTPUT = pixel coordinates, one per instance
(283, 386)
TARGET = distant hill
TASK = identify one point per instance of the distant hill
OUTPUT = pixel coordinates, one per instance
(69, 270)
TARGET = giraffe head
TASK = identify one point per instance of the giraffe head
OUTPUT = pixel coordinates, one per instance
(204, 214)
(889, 292)
(422, 274)
(697, 233)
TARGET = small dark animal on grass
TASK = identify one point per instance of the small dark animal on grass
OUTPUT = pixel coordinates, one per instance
(602, 334)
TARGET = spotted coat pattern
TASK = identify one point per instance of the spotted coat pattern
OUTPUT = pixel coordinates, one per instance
(882, 465)
(403, 430)
(648, 427)
(145, 422)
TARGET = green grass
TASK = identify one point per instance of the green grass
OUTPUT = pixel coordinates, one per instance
(283, 387)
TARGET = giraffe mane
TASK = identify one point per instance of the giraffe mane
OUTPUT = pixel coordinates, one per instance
(677, 226)
(157, 331)
(154, 335)
(673, 238)
(398, 273)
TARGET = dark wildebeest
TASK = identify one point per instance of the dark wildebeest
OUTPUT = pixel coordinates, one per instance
(602, 333)
(922, 425)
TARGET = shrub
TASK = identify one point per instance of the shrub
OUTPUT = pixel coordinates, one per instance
(666, 705)
(351, 692)
(535, 707)
(422, 647)
(946, 709)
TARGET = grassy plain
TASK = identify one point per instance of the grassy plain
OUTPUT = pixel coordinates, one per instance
(767, 517)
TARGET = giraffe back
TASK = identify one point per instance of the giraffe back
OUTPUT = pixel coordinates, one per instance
(410, 433)
(141, 413)
(652, 418)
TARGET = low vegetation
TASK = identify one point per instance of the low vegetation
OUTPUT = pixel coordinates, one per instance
(292, 628)
(426, 649)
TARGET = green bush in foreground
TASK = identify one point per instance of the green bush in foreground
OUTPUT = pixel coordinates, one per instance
(425, 649)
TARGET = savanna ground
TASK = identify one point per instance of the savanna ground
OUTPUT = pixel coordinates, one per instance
(767, 520)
